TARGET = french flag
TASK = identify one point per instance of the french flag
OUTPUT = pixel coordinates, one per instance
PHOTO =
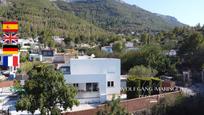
(10, 61)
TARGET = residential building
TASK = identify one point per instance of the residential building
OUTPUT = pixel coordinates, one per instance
(129, 45)
(57, 39)
(107, 49)
(35, 57)
(97, 79)
(26, 43)
(47, 55)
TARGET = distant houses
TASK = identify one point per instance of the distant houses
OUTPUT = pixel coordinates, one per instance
(107, 49)
(58, 39)
(26, 43)
(128, 46)
(96, 79)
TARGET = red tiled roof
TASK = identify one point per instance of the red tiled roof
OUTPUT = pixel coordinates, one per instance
(6, 84)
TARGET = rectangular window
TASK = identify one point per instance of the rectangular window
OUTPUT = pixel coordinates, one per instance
(95, 87)
(49, 53)
(76, 85)
(88, 87)
(110, 83)
(92, 87)
(65, 69)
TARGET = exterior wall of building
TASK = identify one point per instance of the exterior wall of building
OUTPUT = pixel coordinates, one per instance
(97, 70)
(96, 78)
(123, 83)
(107, 49)
(108, 66)
(35, 57)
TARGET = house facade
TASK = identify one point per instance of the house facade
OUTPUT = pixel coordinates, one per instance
(96, 79)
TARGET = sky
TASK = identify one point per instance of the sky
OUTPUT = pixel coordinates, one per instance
(189, 12)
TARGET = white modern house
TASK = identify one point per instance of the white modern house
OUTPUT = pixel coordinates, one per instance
(26, 43)
(57, 39)
(97, 79)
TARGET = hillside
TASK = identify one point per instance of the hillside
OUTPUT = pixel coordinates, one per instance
(42, 17)
(117, 16)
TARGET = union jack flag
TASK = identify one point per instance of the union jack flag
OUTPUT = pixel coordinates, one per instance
(10, 38)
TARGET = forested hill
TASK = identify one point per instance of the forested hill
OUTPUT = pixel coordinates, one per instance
(42, 17)
(117, 16)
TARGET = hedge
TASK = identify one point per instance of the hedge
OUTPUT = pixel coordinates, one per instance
(142, 86)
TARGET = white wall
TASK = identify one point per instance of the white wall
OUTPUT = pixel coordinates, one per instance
(108, 67)
(97, 78)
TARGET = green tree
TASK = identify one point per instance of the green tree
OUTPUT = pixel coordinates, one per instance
(24, 58)
(113, 108)
(26, 67)
(142, 71)
(155, 58)
(192, 44)
(118, 46)
(46, 90)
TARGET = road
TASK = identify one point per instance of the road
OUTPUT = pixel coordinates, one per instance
(194, 89)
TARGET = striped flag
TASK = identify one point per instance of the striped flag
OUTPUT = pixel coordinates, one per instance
(15, 61)
(10, 61)
(10, 49)
(10, 38)
(10, 26)
(7, 61)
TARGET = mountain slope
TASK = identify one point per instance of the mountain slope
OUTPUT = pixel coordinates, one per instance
(118, 16)
(38, 17)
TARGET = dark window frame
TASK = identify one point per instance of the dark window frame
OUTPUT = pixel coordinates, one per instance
(110, 83)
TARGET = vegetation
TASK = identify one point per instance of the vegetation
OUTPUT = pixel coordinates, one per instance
(24, 58)
(113, 108)
(137, 86)
(118, 46)
(142, 71)
(179, 106)
(17, 87)
(42, 18)
(119, 17)
(46, 90)
(153, 52)
(150, 56)
(26, 67)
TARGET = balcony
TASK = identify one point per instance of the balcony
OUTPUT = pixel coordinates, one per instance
(87, 90)
(87, 94)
